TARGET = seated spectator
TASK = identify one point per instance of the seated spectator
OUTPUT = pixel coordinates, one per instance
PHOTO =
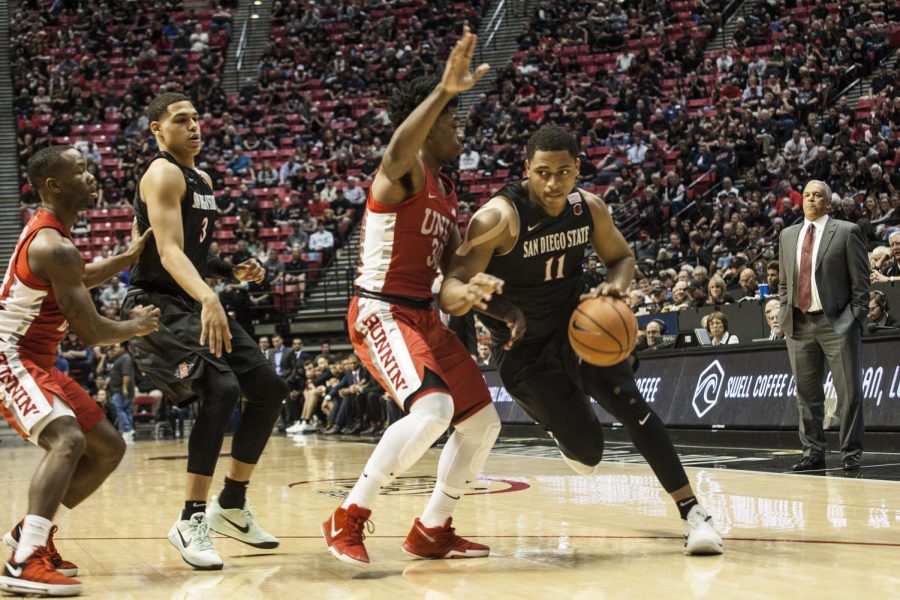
(354, 194)
(749, 286)
(889, 268)
(322, 240)
(717, 327)
(112, 292)
(469, 159)
(717, 294)
(652, 338)
(773, 306)
(484, 358)
(879, 313)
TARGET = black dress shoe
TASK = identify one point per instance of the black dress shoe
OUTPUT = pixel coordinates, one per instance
(809, 463)
(852, 463)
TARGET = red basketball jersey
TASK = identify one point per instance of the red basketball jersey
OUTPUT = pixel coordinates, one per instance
(401, 245)
(31, 323)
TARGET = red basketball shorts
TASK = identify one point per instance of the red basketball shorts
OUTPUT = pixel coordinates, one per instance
(28, 392)
(397, 343)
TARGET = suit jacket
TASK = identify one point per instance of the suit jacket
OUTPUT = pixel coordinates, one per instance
(842, 275)
(270, 356)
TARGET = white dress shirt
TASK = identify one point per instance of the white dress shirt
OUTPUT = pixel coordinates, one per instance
(816, 304)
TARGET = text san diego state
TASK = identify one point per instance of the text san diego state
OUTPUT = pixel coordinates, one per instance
(554, 242)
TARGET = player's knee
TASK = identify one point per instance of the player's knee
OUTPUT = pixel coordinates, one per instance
(431, 414)
(264, 388)
(582, 456)
(68, 442)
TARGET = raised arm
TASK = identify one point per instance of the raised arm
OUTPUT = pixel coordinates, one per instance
(55, 259)
(401, 172)
(611, 248)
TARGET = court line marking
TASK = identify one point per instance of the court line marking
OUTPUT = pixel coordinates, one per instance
(554, 537)
(732, 469)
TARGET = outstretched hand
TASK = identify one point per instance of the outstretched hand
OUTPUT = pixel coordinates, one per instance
(250, 270)
(457, 77)
(481, 289)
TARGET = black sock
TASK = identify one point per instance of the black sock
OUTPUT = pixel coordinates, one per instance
(685, 505)
(192, 507)
(233, 494)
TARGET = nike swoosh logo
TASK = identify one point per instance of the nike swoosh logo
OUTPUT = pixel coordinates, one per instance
(449, 496)
(644, 420)
(335, 532)
(427, 537)
(184, 542)
(684, 502)
(244, 529)
(14, 571)
(530, 227)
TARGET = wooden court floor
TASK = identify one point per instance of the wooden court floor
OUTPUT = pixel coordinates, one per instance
(553, 534)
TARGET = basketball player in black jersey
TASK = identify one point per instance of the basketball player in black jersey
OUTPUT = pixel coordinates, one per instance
(533, 234)
(185, 358)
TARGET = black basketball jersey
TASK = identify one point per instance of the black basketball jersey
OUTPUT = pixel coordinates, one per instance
(543, 271)
(198, 218)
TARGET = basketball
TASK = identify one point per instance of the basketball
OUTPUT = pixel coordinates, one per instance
(603, 331)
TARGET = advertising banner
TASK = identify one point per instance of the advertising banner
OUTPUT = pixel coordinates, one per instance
(742, 387)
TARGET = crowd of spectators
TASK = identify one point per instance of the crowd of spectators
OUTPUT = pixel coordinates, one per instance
(701, 154)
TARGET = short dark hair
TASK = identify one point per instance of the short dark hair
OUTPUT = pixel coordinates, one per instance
(551, 138)
(772, 264)
(44, 163)
(159, 106)
(411, 94)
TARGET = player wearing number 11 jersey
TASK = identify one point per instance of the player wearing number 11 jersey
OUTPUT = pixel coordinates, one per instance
(185, 357)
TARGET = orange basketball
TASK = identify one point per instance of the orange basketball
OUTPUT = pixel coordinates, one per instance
(603, 331)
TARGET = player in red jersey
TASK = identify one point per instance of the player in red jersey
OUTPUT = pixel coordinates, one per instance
(44, 292)
(409, 232)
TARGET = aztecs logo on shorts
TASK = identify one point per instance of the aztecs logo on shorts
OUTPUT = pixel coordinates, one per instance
(411, 485)
(183, 369)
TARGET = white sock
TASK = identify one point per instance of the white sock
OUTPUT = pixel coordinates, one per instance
(402, 444)
(366, 489)
(461, 460)
(35, 532)
(441, 504)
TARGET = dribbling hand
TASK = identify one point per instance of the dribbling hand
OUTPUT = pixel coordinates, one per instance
(457, 77)
(146, 318)
(214, 327)
(604, 289)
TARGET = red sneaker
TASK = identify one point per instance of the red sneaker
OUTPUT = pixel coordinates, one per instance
(69, 569)
(344, 533)
(38, 576)
(441, 542)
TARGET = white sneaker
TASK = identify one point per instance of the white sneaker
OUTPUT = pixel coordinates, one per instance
(700, 537)
(193, 541)
(238, 523)
(297, 427)
(128, 436)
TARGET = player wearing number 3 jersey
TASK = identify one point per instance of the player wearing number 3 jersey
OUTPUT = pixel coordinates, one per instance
(199, 351)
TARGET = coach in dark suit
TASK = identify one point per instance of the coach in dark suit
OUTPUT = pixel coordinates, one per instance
(824, 294)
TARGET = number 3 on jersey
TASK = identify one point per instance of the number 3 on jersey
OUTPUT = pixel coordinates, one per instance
(548, 267)
(203, 227)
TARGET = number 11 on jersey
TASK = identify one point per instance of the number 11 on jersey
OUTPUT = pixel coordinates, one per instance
(548, 267)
